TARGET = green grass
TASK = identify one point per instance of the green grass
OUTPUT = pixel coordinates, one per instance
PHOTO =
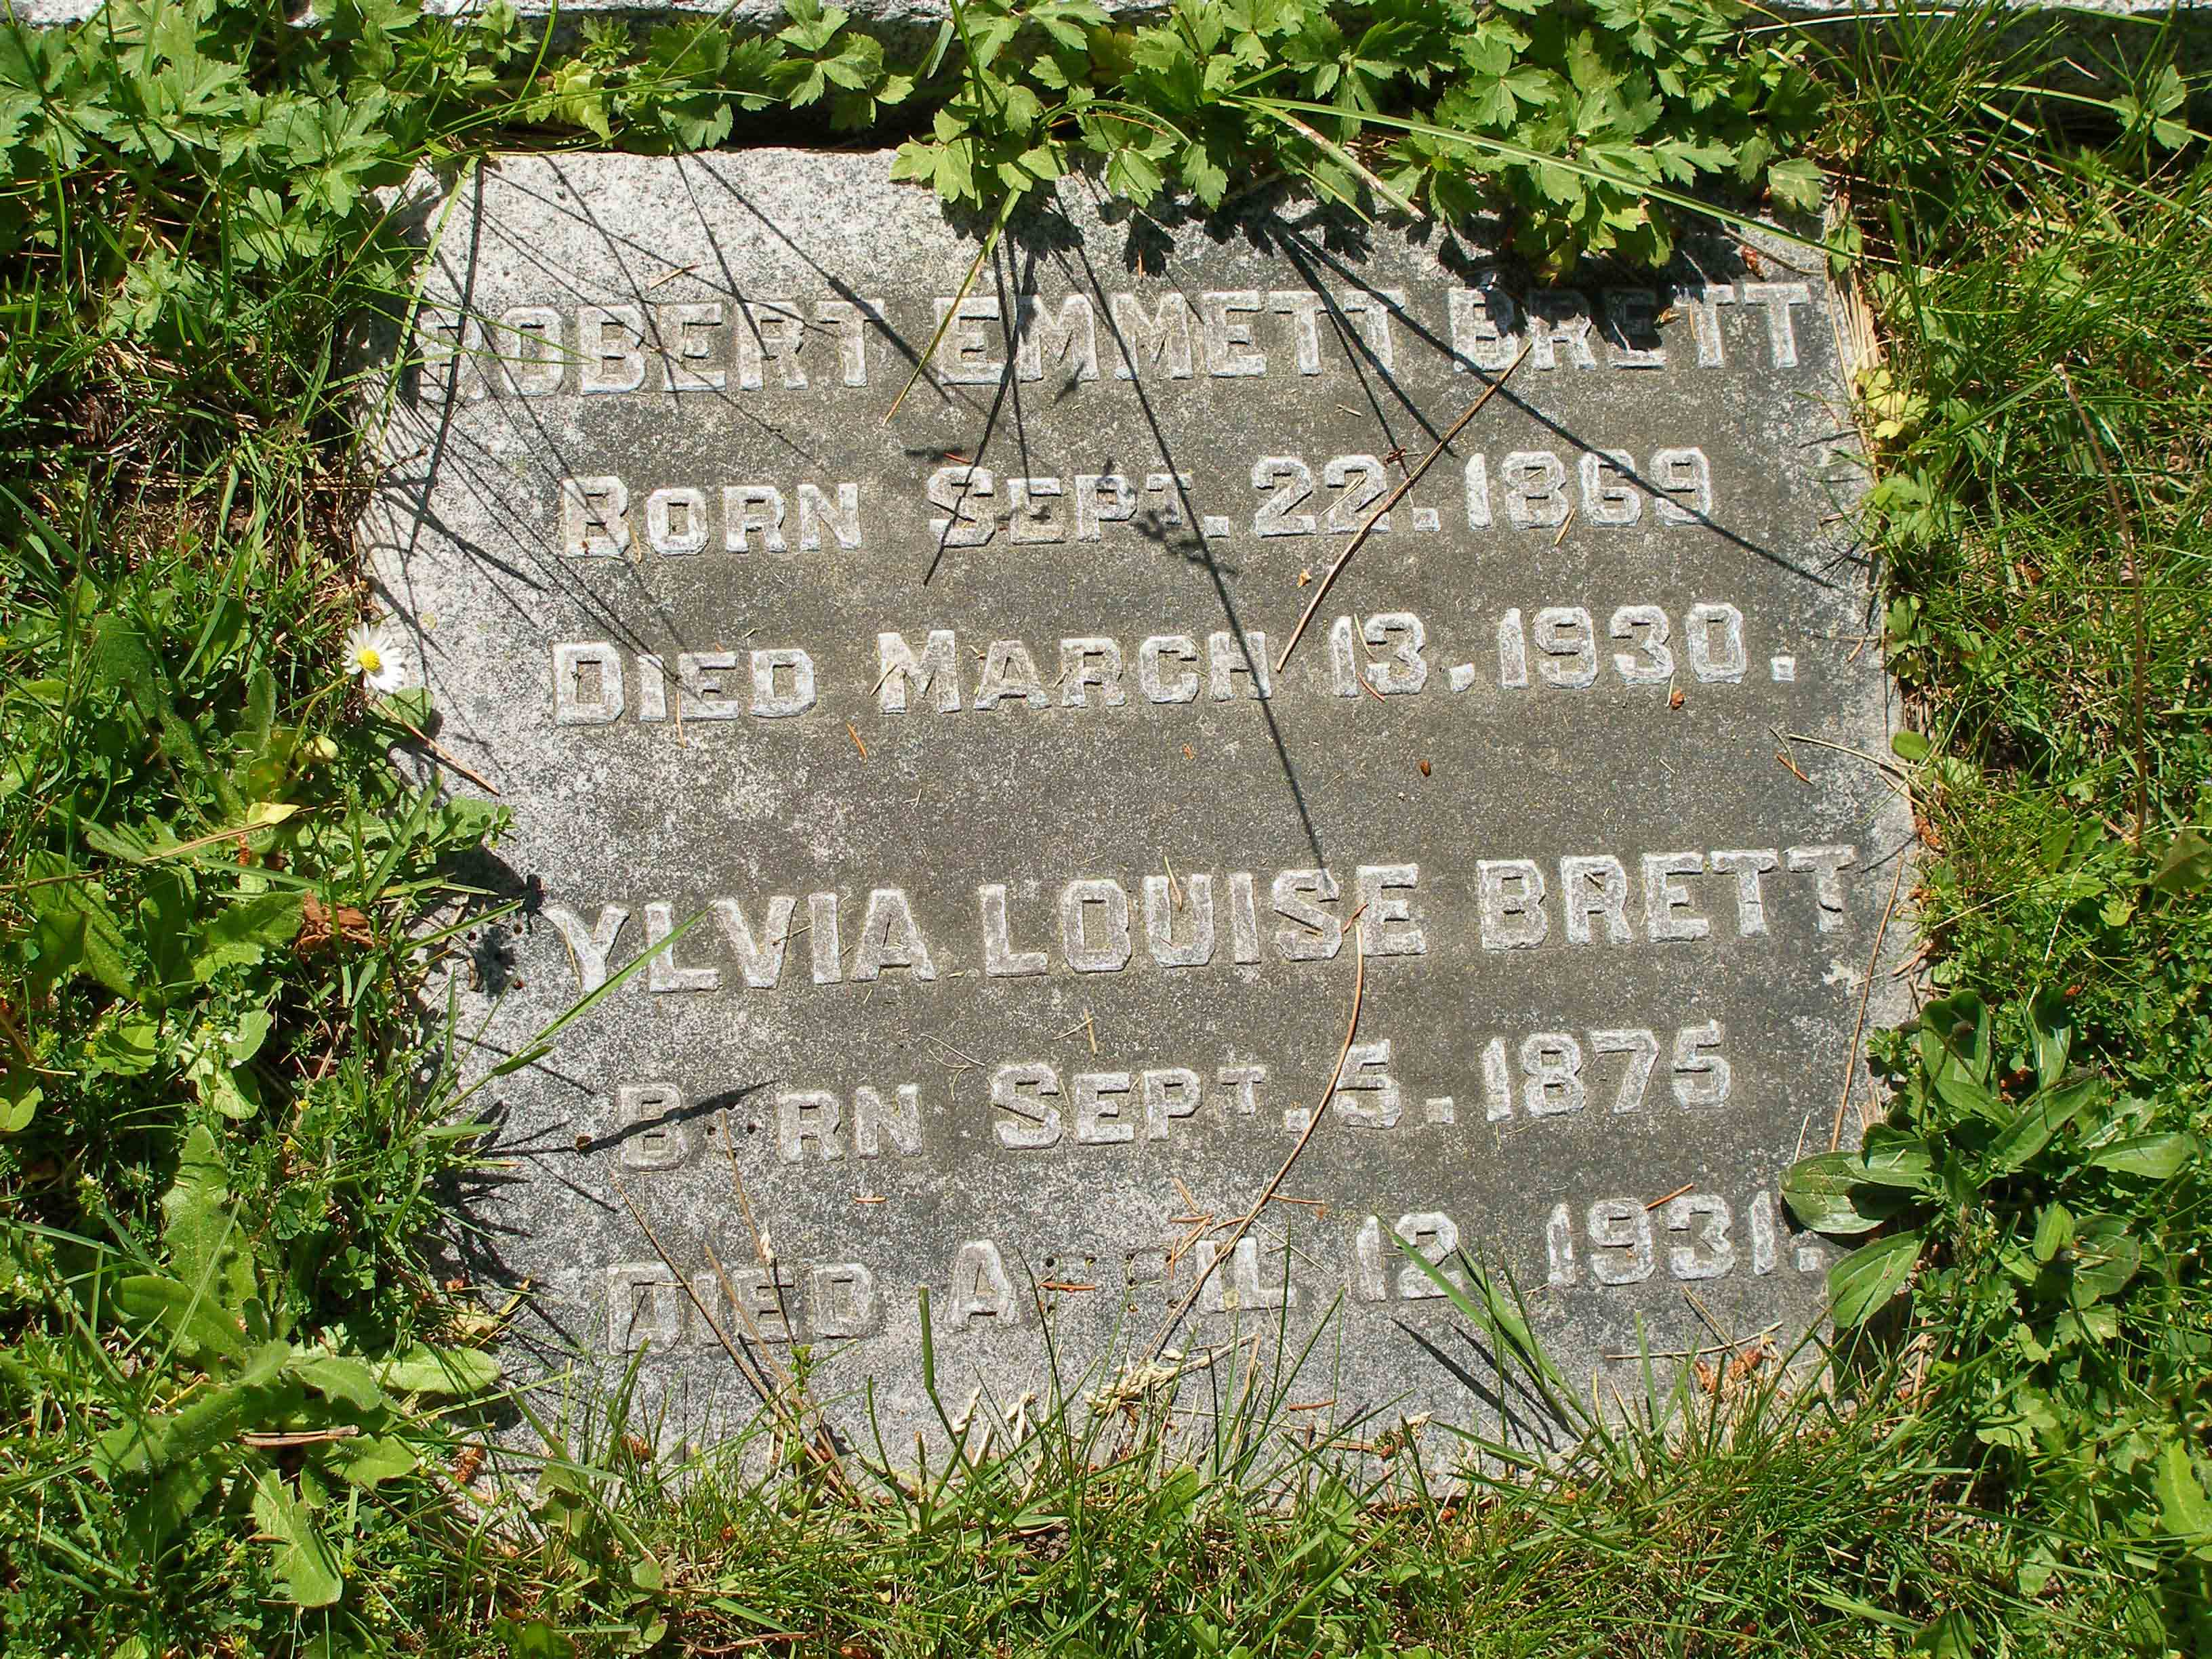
(225, 1138)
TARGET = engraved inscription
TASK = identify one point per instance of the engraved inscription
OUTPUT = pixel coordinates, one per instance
(976, 823)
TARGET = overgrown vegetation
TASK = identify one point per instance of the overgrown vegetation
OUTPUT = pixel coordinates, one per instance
(234, 1396)
(2043, 503)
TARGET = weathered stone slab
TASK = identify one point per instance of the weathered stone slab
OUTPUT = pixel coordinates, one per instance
(1034, 888)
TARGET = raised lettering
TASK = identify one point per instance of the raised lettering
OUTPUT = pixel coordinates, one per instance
(1088, 663)
(760, 963)
(901, 672)
(1000, 959)
(1071, 338)
(683, 350)
(1170, 1092)
(1317, 936)
(1101, 1100)
(963, 355)
(901, 1120)
(611, 364)
(1010, 674)
(1183, 686)
(1666, 914)
(750, 508)
(1747, 865)
(1827, 865)
(1024, 1091)
(1108, 953)
(1197, 893)
(1594, 886)
(662, 974)
(1387, 927)
(841, 1296)
(817, 510)
(1163, 337)
(890, 939)
(772, 701)
(648, 1132)
(1229, 655)
(588, 947)
(587, 683)
(1229, 353)
(804, 1114)
(1512, 903)
(595, 518)
(770, 328)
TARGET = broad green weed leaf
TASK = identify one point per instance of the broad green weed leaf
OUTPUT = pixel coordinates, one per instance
(2184, 1511)
(1795, 184)
(165, 912)
(247, 1035)
(2045, 1112)
(245, 930)
(305, 1560)
(2154, 1157)
(341, 1377)
(199, 1228)
(536, 1640)
(2186, 866)
(1892, 1157)
(443, 1372)
(57, 948)
(124, 1044)
(1820, 1191)
(230, 1090)
(374, 1458)
(121, 843)
(77, 929)
(121, 661)
(1951, 1636)
(1957, 1026)
(2050, 1032)
(1959, 1089)
(1840, 1193)
(2107, 1257)
(160, 1513)
(260, 711)
(2054, 1231)
(200, 1325)
(1865, 1280)
(211, 1420)
(19, 1095)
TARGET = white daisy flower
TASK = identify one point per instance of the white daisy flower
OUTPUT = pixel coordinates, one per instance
(368, 654)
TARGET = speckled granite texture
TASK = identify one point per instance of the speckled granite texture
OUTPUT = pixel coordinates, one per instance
(1027, 935)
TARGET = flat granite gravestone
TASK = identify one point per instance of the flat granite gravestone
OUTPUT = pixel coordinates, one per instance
(1032, 891)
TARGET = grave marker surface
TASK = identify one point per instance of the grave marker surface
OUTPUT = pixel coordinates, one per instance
(1029, 887)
